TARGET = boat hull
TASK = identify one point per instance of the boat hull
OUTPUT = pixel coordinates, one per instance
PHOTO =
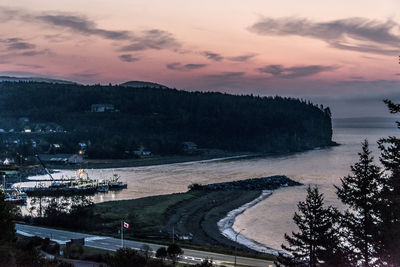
(61, 191)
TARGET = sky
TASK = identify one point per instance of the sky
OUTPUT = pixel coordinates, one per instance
(344, 54)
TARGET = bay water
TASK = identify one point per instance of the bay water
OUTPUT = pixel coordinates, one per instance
(267, 221)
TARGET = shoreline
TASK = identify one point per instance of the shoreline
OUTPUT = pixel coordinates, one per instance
(192, 162)
(208, 156)
(154, 161)
(225, 225)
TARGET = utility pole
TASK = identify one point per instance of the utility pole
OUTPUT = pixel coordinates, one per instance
(236, 244)
(173, 234)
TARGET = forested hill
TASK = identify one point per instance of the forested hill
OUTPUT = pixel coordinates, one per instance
(161, 119)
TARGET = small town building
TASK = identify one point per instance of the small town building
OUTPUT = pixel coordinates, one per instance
(59, 129)
(102, 108)
(27, 129)
(141, 153)
(82, 145)
(34, 143)
(38, 128)
(8, 161)
(23, 120)
(56, 146)
(189, 146)
(48, 129)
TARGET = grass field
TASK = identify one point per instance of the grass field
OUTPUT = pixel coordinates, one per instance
(196, 212)
(145, 215)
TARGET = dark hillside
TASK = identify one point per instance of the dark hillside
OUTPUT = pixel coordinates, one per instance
(160, 120)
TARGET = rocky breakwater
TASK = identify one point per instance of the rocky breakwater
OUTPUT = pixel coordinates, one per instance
(263, 183)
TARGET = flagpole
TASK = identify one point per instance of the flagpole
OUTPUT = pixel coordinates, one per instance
(122, 235)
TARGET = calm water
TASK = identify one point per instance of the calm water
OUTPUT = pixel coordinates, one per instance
(267, 221)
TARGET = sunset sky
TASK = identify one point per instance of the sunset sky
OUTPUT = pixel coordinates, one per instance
(340, 53)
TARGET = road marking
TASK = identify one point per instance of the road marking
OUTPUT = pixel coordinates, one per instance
(94, 238)
(192, 258)
(24, 233)
(29, 227)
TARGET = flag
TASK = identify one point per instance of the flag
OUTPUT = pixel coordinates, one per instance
(126, 225)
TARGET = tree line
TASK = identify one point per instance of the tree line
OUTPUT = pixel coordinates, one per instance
(367, 233)
(161, 119)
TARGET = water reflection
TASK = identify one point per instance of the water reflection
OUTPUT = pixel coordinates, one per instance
(270, 219)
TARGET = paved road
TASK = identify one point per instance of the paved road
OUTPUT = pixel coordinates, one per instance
(110, 243)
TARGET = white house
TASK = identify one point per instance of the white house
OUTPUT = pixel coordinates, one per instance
(142, 153)
(102, 108)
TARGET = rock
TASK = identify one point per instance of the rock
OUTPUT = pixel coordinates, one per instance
(263, 183)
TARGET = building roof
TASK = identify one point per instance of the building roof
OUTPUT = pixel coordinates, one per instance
(103, 105)
(190, 144)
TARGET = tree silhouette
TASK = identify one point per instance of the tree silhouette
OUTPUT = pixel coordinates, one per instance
(390, 210)
(317, 242)
(361, 193)
(174, 251)
(7, 226)
(161, 253)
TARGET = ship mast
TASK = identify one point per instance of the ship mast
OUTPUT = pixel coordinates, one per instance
(44, 166)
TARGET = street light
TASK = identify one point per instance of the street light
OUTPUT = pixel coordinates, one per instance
(236, 243)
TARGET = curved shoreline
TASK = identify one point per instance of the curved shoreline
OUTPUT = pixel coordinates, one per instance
(193, 161)
(153, 161)
(225, 226)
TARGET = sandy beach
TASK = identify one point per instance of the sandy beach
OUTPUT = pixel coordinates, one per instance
(225, 225)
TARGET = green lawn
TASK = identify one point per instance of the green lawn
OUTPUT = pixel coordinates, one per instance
(144, 214)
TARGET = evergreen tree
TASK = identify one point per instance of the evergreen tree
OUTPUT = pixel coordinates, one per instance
(390, 210)
(361, 193)
(161, 253)
(7, 233)
(317, 243)
(125, 257)
(174, 251)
